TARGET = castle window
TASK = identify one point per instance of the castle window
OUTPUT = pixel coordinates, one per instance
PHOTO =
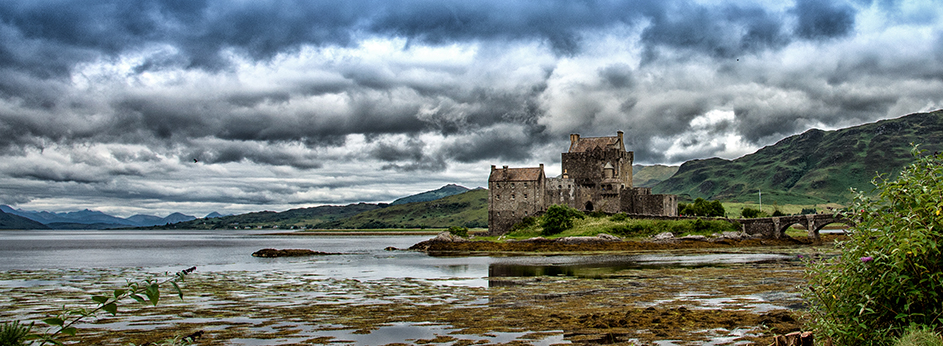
(512, 196)
(525, 196)
(525, 185)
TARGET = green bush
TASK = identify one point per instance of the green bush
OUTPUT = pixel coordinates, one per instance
(559, 218)
(920, 336)
(890, 273)
(526, 222)
(702, 207)
(750, 213)
(619, 217)
(778, 213)
(459, 231)
(14, 333)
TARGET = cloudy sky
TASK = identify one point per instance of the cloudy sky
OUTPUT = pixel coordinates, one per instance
(150, 106)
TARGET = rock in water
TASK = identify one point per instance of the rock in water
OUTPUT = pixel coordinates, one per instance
(288, 253)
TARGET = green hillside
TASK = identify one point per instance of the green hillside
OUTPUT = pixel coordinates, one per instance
(813, 167)
(469, 209)
(648, 176)
(10, 221)
(442, 192)
(297, 218)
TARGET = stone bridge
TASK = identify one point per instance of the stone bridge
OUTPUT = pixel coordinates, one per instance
(769, 227)
(775, 227)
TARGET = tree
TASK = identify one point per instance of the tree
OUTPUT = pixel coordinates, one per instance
(890, 273)
(750, 213)
(702, 207)
(559, 218)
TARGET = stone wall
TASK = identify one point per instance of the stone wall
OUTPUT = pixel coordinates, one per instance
(587, 168)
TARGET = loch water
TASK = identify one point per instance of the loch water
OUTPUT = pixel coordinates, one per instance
(32, 261)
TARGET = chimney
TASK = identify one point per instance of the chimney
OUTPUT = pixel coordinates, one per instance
(492, 168)
(620, 134)
(541, 168)
(505, 168)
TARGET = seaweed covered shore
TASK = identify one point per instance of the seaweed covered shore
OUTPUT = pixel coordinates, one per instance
(446, 245)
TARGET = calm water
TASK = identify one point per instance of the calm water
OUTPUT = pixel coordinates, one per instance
(227, 254)
(363, 257)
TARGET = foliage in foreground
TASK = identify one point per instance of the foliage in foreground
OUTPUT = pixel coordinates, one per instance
(146, 292)
(890, 273)
(559, 218)
(920, 336)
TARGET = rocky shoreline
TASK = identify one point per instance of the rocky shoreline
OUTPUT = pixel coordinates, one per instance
(290, 253)
(446, 243)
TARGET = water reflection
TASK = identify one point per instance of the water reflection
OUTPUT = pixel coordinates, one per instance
(602, 266)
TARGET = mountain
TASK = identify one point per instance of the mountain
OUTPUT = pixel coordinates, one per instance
(178, 217)
(12, 221)
(213, 215)
(301, 217)
(90, 219)
(813, 167)
(469, 209)
(648, 176)
(445, 191)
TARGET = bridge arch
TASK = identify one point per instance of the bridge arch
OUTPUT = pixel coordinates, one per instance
(775, 227)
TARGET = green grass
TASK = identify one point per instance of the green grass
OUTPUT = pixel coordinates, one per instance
(629, 229)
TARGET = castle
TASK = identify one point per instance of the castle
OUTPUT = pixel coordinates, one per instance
(597, 176)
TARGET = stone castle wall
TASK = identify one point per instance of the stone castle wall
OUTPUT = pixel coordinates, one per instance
(597, 176)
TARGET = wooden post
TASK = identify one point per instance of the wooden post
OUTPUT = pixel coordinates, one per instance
(794, 339)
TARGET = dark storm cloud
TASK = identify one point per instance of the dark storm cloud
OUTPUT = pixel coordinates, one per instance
(818, 20)
(723, 32)
(49, 38)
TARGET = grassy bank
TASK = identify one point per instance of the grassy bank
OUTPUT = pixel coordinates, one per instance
(626, 228)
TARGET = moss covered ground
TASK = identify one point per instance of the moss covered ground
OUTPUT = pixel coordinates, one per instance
(744, 303)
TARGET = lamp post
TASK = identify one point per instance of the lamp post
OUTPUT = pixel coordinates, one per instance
(761, 200)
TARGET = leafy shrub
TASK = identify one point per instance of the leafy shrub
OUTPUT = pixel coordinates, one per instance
(702, 207)
(526, 222)
(778, 213)
(750, 213)
(920, 336)
(145, 292)
(559, 218)
(619, 217)
(597, 214)
(459, 231)
(14, 333)
(890, 273)
(808, 211)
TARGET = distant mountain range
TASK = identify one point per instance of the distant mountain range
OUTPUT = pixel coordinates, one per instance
(450, 205)
(12, 221)
(90, 219)
(813, 167)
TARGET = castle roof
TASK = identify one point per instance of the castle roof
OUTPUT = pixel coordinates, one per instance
(589, 143)
(516, 174)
